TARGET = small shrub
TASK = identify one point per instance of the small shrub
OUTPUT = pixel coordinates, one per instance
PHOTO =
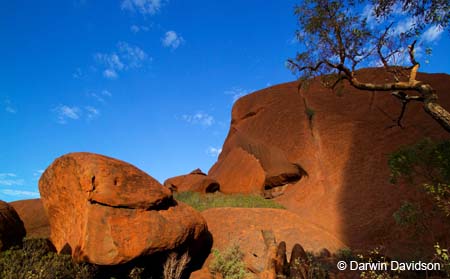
(376, 256)
(409, 214)
(442, 256)
(174, 266)
(345, 254)
(37, 260)
(317, 268)
(229, 263)
(214, 200)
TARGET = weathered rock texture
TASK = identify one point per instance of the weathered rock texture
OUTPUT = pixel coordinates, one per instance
(331, 149)
(107, 212)
(196, 181)
(252, 166)
(244, 226)
(33, 215)
(11, 227)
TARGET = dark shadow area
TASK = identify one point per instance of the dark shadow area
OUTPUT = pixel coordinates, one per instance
(213, 187)
(367, 200)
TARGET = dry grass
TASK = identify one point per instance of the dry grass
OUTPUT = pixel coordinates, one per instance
(174, 266)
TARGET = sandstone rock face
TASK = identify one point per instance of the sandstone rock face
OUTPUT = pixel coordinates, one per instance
(33, 215)
(338, 142)
(243, 226)
(108, 212)
(11, 227)
(196, 181)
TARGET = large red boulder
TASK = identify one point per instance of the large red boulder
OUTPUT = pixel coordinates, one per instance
(339, 142)
(11, 227)
(196, 181)
(33, 215)
(107, 212)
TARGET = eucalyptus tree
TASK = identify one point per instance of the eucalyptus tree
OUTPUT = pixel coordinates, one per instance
(340, 36)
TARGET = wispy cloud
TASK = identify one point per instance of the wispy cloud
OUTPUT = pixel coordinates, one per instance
(172, 39)
(124, 58)
(9, 107)
(20, 193)
(213, 151)
(404, 26)
(237, 92)
(199, 118)
(432, 34)
(10, 179)
(145, 7)
(100, 97)
(112, 63)
(91, 112)
(65, 113)
(139, 28)
(78, 74)
(110, 74)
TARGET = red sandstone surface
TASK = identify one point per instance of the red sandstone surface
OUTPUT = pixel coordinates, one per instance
(33, 215)
(341, 153)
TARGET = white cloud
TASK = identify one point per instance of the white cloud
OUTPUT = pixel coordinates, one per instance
(100, 97)
(124, 58)
(10, 179)
(213, 151)
(110, 74)
(138, 28)
(133, 55)
(432, 34)
(111, 61)
(65, 112)
(237, 92)
(91, 112)
(106, 93)
(404, 26)
(200, 118)
(20, 193)
(9, 107)
(172, 39)
(144, 7)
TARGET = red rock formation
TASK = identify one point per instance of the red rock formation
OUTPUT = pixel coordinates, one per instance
(196, 181)
(34, 217)
(108, 212)
(11, 227)
(339, 141)
(243, 226)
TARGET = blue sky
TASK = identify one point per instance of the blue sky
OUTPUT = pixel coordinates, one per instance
(150, 82)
